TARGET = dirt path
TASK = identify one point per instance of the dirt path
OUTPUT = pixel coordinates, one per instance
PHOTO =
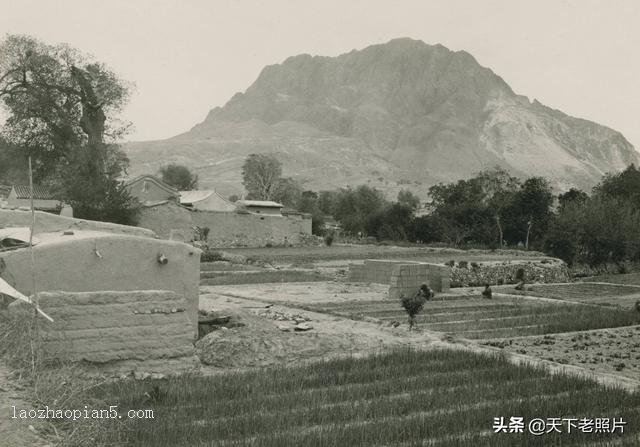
(16, 432)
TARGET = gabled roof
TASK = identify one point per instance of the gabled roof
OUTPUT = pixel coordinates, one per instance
(187, 197)
(155, 180)
(39, 192)
(262, 203)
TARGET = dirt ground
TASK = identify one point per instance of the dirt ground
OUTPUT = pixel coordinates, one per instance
(269, 334)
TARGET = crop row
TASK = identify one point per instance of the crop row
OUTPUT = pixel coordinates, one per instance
(403, 398)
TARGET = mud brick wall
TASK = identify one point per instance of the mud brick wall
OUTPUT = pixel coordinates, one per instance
(104, 327)
(226, 229)
(126, 263)
(547, 271)
(229, 229)
(374, 270)
(406, 279)
(47, 222)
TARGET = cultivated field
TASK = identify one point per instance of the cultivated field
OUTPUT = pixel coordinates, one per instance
(602, 294)
(404, 398)
(627, 278)
(476, 318)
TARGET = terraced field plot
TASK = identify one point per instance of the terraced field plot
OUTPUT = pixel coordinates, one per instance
(590, 293)
(627, 278)
(439, 397)
(214, 278)
(475, 318)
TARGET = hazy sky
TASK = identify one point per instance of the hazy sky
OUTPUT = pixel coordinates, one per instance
(188, 56)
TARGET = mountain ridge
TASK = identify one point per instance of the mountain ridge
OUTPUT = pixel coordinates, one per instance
(390, 115)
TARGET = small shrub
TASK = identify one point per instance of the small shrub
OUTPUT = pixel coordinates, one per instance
(475, 266)
(450, 263)
(211, 256)
(328, 239)
(463, 264)
(413, 305)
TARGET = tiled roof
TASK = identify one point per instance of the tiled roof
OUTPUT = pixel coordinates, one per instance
(154, 179)
(264, 203)
(188, 197)
(39, 192)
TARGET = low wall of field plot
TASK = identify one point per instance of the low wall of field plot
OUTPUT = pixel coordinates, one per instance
(101, 327)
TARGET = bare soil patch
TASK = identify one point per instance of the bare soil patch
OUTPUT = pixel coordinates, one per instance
(264, 340)
(614, 350)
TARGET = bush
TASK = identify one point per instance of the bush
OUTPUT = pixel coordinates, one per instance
(328, 239)
(413, 305)
(211, 256)
(475, 266)
(463, 264)
(451, 263)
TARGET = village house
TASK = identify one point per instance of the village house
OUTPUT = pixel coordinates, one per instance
(260, 207)
(205, 200)
(43, 200)
(149, 189)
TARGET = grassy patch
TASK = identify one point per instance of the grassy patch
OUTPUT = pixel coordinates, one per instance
(402, 397)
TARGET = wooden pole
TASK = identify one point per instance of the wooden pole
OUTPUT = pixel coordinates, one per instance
(33, 224)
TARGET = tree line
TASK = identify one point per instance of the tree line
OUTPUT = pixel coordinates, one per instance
(492, 209)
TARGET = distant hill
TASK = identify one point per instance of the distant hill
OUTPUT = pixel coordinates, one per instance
(389, 115)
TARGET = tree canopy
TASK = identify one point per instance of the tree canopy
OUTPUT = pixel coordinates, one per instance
(261, 174)
(62, 108)
(179, 176)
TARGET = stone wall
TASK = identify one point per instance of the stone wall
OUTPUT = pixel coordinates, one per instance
(226, 229)
(47, 222)
(112, 326)
(94, 261)
(406, 279)
(544, 271)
